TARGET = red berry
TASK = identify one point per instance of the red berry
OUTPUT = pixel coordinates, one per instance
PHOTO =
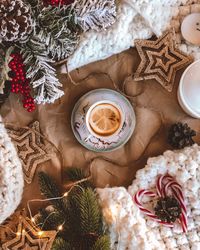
(19, 82)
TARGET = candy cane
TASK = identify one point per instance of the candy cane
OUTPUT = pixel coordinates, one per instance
(137, 197)
(164, 184)
(177, 192)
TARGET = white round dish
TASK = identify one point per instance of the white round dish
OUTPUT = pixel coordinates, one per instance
(190, 28)
(189, 90)
(80, 128)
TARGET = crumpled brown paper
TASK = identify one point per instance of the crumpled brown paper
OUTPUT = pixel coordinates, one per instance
(156, 109)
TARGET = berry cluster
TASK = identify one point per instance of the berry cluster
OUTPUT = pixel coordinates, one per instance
(19, 82)
(57, 2)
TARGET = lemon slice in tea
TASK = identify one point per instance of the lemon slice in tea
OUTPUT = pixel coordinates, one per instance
(105, 119)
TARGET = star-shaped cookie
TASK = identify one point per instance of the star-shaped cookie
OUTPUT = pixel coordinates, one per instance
(29, 237)
(31, 148)
(160, 60)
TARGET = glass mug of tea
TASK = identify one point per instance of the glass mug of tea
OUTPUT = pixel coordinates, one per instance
(104, 119)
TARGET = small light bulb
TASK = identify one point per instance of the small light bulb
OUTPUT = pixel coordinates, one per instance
(65, 194)
(23, 231)
(18, 233)
(40, 233)
(32, 219)
(60, 228)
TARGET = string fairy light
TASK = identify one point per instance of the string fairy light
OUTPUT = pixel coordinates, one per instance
(33, 220)
(40, 233)
(65, 194)
(72, 185)
(60, 228)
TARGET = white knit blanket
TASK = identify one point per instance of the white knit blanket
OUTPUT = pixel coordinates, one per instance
(11, 176)
(130, 229)
(136, 19)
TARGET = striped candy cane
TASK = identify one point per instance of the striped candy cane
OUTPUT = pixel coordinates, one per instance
(165, 184)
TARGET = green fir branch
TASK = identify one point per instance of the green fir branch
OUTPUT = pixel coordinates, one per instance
(84, 212)
(77, 174)
(103, 243)
(83, 227)
(49, 189)
(61, 244)
(90, 213)
(49, 220)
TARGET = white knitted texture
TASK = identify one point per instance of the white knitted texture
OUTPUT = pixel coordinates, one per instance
(136, 19)
(132, 229)
(11, 176)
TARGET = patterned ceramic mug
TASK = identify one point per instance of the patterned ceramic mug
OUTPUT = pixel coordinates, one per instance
(106, 103)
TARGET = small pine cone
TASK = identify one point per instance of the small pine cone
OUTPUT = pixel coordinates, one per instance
(167, 209)
(16, 22)
(180, 135)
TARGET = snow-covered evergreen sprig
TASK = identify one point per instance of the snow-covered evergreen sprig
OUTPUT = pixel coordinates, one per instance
(60, 32)
(43, 76)
(55, 38)
(95, 14)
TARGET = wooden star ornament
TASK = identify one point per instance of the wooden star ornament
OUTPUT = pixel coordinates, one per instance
(31, 147)
(29, 237)
(160, 60)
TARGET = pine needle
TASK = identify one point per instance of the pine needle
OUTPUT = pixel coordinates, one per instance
(49, 220)
(103, 243)
(49, 189)
(83, 228)
(75, 174)
(60, 244)
(84, 218)
(90, 213)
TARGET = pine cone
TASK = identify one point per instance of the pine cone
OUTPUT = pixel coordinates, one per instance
(167, 209)
(180, 135)
(16, 22)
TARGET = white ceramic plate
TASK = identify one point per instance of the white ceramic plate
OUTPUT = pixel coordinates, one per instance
(189, 90)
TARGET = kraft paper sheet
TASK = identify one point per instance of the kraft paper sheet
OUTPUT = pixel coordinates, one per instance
(155, 108)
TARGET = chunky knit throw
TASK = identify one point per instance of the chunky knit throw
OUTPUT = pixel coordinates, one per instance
(136, 19)
(11, 176)
(131, 229)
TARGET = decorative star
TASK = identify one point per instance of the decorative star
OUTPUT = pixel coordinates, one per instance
(28, 237)
(160, 60)
(31, 148)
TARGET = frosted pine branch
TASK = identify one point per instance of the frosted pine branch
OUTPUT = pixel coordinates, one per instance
(59, 31)
(43, 76)
(95, 14)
